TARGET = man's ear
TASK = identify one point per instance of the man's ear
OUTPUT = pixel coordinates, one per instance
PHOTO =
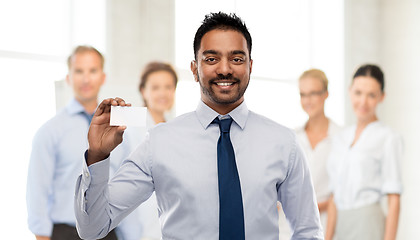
(250, 66)
(327, 94)
(68, 79)
(194, 69)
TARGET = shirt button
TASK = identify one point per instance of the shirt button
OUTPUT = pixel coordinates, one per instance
(86, 174)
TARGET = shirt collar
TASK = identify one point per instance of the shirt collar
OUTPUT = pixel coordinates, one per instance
(74, 107)
(206, 115)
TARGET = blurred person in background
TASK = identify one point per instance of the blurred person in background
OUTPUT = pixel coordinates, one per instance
(364, 167)
(56, 148)
(315, 135)
(157, 87)
(315, 138)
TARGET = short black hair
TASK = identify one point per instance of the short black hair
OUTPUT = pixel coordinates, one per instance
(222, 21)
(371, 70)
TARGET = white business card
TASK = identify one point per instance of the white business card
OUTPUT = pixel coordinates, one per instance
(128, 116)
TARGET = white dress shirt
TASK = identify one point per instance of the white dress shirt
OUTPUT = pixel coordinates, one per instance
(317, 159)
(361, 174)
(178, 161)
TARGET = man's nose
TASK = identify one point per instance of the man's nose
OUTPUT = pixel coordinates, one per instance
(224, 67)
(85, 77)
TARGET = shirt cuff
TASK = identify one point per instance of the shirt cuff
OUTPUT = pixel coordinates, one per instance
(42, 227)
(96, 173)
(392, 188)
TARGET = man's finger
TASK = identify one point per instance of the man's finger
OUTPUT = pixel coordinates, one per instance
(102, 107)
(118, 131)
(120, 101)
(121, 129)
(102, 119)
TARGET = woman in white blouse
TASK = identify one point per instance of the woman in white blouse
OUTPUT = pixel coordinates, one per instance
(157, 87)
(315, 139)
(364, 166)
(315, 135)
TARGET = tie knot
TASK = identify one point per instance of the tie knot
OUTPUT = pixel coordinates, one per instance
(224, 124)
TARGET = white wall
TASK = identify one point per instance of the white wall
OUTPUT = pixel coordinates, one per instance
(387, 32)
(400, 57)
(361, 38)
(137, 32)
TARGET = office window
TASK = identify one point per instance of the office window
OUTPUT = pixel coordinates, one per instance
(288, 38)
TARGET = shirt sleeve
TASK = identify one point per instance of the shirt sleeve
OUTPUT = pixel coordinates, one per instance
(391, 169)
(101, 205)
(130, 227)
(39, 183)
(298, 199)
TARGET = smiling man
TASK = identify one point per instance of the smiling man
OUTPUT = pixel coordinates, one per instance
(217, 172)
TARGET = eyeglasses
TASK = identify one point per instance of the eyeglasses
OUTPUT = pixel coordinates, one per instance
(312, 94)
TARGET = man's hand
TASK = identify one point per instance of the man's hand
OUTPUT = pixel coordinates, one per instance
(102, 137)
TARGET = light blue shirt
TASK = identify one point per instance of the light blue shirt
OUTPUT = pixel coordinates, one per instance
(178, 160)
(55, 164)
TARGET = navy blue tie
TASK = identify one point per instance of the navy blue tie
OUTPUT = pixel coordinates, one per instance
(231, 214)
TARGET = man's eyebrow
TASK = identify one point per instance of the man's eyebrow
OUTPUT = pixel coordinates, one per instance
(214, 52)
(236, 52)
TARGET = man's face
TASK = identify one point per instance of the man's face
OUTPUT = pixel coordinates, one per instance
(222, 68)
(86, 76)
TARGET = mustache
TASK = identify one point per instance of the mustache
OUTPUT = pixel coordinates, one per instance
(224, 77)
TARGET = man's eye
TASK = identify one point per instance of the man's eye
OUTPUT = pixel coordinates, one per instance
(210, 59)
(238, 60)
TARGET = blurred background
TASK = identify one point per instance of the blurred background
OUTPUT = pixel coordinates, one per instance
(288, 37)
